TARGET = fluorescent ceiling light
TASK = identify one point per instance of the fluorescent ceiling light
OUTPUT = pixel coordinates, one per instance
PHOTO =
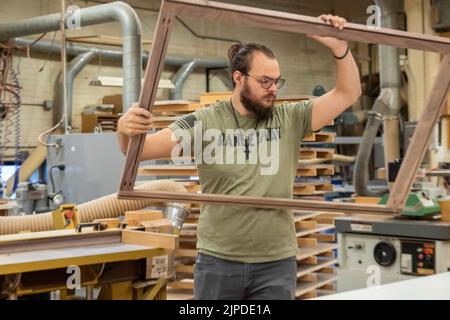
(102, 81)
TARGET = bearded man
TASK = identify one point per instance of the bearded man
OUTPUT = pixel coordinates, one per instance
(249, 253)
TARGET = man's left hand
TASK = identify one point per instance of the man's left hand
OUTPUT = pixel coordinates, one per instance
(338, 46)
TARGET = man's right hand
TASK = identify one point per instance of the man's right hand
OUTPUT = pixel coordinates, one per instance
(135, 121)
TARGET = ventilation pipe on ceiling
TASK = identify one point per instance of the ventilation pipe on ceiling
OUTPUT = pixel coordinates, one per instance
(116, 11)
(73, 69)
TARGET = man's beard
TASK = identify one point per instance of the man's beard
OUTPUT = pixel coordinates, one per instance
(261, 112)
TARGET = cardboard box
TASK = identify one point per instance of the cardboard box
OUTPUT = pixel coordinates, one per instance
(161, 266)
(445, 209)
(116, 101)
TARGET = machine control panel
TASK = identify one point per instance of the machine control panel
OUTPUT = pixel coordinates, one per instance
(418, 257)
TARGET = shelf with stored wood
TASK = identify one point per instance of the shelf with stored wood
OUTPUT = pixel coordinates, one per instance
(316, 259)
(184, 261)
(323, 284)
(183, 170)
(313, 158)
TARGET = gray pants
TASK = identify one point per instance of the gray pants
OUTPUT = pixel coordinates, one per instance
(219, 279)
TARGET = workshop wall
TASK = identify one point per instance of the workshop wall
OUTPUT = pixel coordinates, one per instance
(304, 63)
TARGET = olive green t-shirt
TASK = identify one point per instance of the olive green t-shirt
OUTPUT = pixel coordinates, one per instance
(267, 169)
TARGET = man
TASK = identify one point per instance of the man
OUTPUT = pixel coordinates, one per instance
(249, 253)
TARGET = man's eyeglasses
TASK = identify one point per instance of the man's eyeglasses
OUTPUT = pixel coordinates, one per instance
(267, 83)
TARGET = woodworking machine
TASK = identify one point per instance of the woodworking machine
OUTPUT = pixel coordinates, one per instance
(383, 249)
(418, 205)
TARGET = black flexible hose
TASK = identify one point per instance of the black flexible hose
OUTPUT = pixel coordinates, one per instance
(361, 171)
(61, 166)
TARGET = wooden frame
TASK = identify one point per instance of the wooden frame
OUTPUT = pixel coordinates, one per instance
(268, 19)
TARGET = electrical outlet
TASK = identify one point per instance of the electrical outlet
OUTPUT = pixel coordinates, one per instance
(48, 105)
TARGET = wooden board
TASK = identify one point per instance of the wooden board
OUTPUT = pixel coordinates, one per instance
(143, 215)
(192, 218)
(320, 248)
(374, 200)
(184, 269)
(179, 294)
(155, 64)
(315, 195)
(448, 104)
(214, 97)
(53, 234)
(182, 284)
(175, 106)
(322, 137)
(151, 239)
(156, 223)
(311, 187)
(57, 239)
(158, 226)
(277, 20)
(6, 205)
(259, 202)
(168, 170)
(316, 153)
(322, 279)
(189, 227)
(162, 122)
(190, 253)
(304, 215)
(324, 290)
(292, 98)
(324, 237)
(56, 258)
(315, 170)
(302, 232)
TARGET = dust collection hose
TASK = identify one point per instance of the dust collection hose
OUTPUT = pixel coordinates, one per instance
(361, 170)
(105, 207)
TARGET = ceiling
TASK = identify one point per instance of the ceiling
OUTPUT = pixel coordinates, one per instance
(353, 11)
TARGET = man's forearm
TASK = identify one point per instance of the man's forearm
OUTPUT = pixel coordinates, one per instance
(347, 89)
(123, 142)
(347, 81)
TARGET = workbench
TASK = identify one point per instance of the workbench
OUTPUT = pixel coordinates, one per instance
(38, 262)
